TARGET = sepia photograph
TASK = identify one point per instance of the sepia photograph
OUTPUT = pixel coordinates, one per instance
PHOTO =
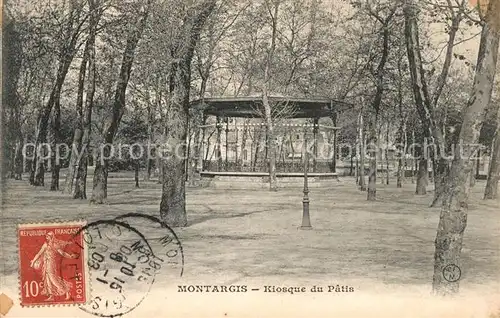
(250, 158)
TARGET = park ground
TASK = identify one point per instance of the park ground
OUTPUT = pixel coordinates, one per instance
(251, 237)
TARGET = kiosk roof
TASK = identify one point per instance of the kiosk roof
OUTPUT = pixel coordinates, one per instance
(252, 107)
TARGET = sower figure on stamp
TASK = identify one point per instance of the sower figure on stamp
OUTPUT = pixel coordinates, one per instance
(45, 259)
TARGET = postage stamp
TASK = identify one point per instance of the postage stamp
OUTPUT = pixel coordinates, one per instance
(52, 264)
(124, 264)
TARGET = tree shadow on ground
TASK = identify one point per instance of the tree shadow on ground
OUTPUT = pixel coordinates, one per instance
(227, 237)
(119, 193)
(214, 216)
(132, 201)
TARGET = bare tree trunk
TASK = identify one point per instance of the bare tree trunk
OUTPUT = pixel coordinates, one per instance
(422, 171)
(226, 140)
(258, 136)
(32, 166)
(478, 163)
(237, 140)
(159, 166)
(173, 197)
(25, 161)
(362, 148)
(382, 181)
(270, 140)
(41, 134)
(491, 189)
(283, 152)
(246, 123)
(292, 148)
(271, 144)
(333, 163)
(149, 164)
(82, 159)
(201, 158)
(425, 106)
(66, 57)
(18, 159)
(136, 173)
(194, 172)
(194, 155)
(356, 170)
(475, 174)
(12, 136)
(54, 184)
(387, 154)
(374, 112)
(402, 160)
(441, 171)
(351, 166)
(78, 134)
(243, 143)
(430, 172)
(187, 165)
(265, 148)
(453, 217)
(419, 84)
(372, 175)
(204, 71)
(237, 155)
(399, 180)
(218, 142)
(402, 133)
(151, 148)
(422, 177)
(207, 151)
(162, 131)
(80, 190)
(99, 190)
(414, 162)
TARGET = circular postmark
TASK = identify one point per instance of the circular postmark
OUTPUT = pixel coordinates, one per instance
(164, 242)
(121, 266)
(452, 273)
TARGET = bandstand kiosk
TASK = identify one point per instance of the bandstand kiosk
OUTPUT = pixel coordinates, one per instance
(230, 168)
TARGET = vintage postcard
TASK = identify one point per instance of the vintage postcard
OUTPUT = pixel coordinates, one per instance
(250, 158)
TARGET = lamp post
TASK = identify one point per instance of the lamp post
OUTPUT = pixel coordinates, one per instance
(227, 141)
(219, 144)
(306, 220)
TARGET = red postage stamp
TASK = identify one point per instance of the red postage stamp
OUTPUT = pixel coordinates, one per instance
(52, 264)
